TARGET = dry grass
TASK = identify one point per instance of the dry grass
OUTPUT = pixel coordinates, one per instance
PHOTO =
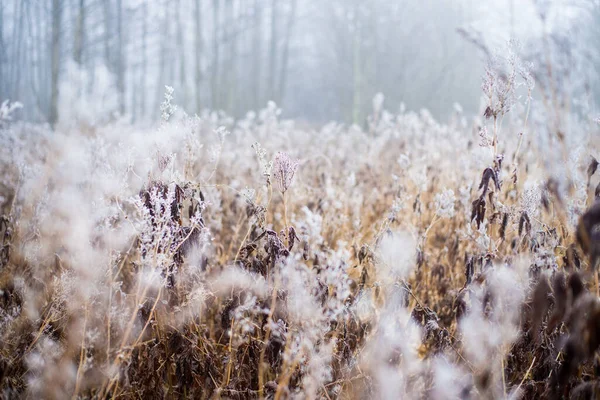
(404, 261)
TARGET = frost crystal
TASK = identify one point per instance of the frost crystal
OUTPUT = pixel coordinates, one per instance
(266, 166)
(166, 108)
(6, 109)
(444, 203)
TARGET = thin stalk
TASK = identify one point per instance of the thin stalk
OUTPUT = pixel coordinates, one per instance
(81, 355)
(261, 370)
(285, 221)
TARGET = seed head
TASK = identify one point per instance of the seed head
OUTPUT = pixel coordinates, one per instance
(284, 169)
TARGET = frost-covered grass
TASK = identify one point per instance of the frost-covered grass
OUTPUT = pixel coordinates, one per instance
(204, 258)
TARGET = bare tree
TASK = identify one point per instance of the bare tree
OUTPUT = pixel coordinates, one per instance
(356, 64)
(144, 62)
(120, 61)
(181, 52)
(55, 75)
(198, 53)
(256, 54)
(17, 37)
(286, 50)
(272, 52)
(215, 87)
(107, 32)
(164, 50)
(2, 47)
(229, 69)
(79, 33)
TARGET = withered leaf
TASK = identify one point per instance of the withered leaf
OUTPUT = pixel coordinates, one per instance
(488, 113)
(588, 233)
(469, 270)
(592, 167)
(478, 211)
(524, 222)
(488, 174)
(503, 226)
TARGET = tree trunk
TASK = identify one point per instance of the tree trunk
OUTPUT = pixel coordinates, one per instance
(120, 64)
(107, 34)
(230, 70)
(41, 92)
(16, 56)
(356, 69)
(215, 62)
(55, 74)
(286, 48)
(79, 32)
(181, 49)
(198, 54)
(256, 56)
(273, 51)
(142, 84)
(160, 88)
(2, 48)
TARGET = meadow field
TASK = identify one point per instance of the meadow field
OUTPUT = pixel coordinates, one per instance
(207, 257)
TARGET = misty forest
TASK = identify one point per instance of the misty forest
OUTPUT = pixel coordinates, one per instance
(299, 199)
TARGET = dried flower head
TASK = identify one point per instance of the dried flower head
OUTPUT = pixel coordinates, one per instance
(284, 169)
(266, 166)
(221, 132)
(485, 140)
(444, 203)
(167, 109)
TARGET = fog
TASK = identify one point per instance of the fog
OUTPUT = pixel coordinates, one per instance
(319, 60)
(299, 199)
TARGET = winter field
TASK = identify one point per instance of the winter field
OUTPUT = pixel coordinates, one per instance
(201, 259)
(207, 256)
